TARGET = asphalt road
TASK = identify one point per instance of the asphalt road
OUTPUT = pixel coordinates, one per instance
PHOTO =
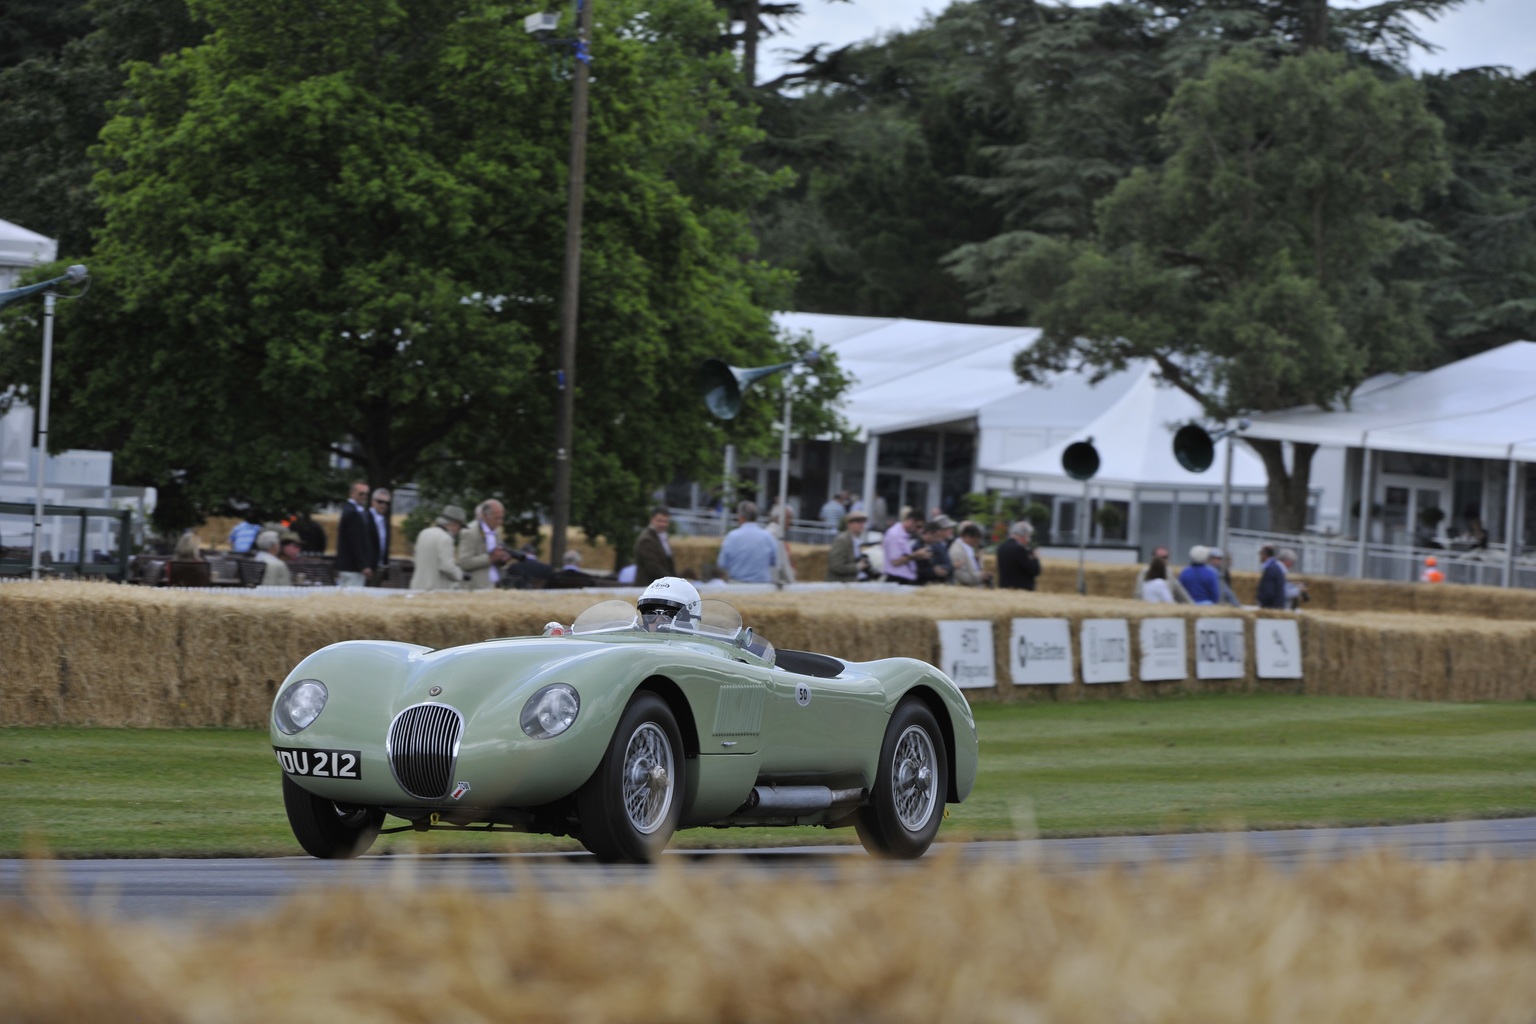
(192, 889)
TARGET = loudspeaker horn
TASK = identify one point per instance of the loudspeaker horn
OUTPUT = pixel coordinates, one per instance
(1080, 460)
(722, 384)
(1194, 448)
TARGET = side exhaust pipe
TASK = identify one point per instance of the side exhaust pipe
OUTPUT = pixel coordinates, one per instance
(782, 801)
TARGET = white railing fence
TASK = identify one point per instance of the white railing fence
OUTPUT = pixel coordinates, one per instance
(1340, 556)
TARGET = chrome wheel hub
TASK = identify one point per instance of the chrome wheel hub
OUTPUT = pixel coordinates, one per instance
(648, 774)
(913, 771)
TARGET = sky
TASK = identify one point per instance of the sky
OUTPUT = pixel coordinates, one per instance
(1479, 32)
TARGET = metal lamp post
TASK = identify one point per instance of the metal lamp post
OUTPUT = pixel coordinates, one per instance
(571, 282)
(74, 275)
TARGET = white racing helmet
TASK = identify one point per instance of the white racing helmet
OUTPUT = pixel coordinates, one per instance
(674, 598)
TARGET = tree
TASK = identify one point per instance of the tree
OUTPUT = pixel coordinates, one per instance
(334, 230)
(1254, 266)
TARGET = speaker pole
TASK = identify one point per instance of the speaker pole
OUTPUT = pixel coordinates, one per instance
(1082, 543)
(1226, 507)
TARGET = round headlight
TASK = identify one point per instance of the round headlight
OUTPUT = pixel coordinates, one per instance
(298, 706)
(550, 711)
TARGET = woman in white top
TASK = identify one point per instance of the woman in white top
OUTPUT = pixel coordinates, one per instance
(1156, 588)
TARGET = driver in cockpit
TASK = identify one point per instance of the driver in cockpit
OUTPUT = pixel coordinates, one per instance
(671, 603)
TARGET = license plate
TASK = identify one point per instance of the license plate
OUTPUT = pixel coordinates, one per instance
(321, 764)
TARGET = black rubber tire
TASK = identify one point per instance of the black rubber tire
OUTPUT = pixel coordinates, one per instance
(880, 823)
(326, 830)
(607, 827)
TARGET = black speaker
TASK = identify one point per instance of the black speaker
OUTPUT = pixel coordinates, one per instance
(1194, 449)
(1080, 460)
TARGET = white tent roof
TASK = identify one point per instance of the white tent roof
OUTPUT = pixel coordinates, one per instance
(22, 248)
(1482, 407)
(1134, 438)
(915, 373)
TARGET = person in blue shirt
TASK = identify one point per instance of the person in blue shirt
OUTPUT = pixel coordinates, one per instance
(242, 538)
(749, 552)
(1200, 581)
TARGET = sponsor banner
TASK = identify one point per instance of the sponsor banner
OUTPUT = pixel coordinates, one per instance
(1106, 650)
(1219, 652)
(1277, 648)
(1040, 651)
(966, 652)
(1163, 652)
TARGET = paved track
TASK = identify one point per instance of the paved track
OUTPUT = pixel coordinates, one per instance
(190, 889)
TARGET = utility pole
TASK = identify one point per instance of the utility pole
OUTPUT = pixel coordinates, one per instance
(571, 287)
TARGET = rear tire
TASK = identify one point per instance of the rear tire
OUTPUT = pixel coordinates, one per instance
(905, 810)
(326, 829)
(630, 806)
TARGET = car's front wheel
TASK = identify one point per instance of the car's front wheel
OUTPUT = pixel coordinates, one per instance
(905, 810)
(326, 829)
(630, 806)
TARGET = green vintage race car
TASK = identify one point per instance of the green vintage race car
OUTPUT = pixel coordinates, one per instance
(619, 729)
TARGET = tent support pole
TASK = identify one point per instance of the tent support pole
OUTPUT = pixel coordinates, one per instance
(871, 461)
(1365, 508)
(1226, 507)
(1510, 512)
(1082, 542)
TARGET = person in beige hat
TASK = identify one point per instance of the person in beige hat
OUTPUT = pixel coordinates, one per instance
(436, 568)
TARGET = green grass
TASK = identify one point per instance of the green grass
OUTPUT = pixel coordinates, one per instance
(1057, 769)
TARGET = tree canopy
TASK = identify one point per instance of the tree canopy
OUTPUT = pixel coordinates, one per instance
(334, 229)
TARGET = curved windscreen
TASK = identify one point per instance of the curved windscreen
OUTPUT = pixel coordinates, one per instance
(719, 619)
(605, 617)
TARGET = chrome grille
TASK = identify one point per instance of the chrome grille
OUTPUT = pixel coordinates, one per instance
(423, 747)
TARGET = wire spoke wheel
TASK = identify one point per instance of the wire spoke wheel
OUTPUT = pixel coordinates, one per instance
(906, 805)
(648, 775)
(912, 778)
(630, 806)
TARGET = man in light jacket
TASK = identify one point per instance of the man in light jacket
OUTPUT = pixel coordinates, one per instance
(844, 562)
(436, 567)
(481, 553)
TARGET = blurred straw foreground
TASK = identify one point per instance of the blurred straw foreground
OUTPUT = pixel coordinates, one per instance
(1375, 938)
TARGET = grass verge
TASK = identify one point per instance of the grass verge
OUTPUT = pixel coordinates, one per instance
(1099, 768)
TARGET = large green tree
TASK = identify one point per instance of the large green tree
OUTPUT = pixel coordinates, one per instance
(335, 229)
(1256, 266)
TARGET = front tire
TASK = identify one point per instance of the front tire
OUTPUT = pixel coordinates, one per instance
(905, 810)
(630, 806)
(328, 830)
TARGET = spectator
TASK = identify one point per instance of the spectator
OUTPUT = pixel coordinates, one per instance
(570, 575)
(243, 537)
(1017, 566)
(653, 552)
(480, 552)
(835, 509)
(379, 518)
(356, 542)
(276, 572)
(1154, 582)
(310, 533)
(525, 571)
(1200, 581)
(749, 553)
(291, 547)
(1159, 552)
(1217, 560)
(784, 568)
(900, 548)
(845, 564)
(1276, 591)
(936, 567)
(965, 556)
(188, 548)
(436, 566)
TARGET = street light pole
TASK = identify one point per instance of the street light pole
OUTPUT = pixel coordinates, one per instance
(571, 286)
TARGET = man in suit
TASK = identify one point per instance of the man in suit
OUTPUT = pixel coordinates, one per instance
(378, 518)
(436, 565)
(1017, 566)
(481, 553)
(844, 562)
(357, 542)
(653, 554)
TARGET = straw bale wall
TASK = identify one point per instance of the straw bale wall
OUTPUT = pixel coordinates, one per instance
(98, 654)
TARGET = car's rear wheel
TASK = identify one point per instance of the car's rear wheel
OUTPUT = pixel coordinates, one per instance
(326, 829)
(905, 810)
(630, 806)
